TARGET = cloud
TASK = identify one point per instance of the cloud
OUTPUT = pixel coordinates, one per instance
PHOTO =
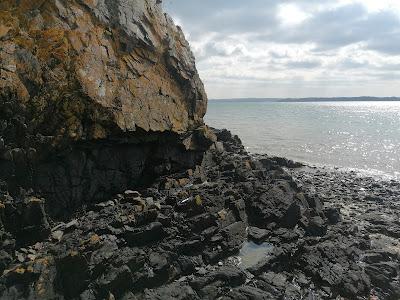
(274, 48)
(305, 64)
(232, 16)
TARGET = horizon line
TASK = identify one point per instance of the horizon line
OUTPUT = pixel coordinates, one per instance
(360, 98)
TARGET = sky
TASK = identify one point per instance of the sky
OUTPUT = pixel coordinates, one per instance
(293, 48)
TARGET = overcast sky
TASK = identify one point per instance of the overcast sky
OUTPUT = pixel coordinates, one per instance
(293, 48)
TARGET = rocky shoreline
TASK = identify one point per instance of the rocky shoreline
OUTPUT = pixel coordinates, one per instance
(235, 227)
(112, 186)
(369, 207)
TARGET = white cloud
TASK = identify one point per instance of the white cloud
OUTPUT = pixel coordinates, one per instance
(376, 5)
(288, 48)
(290, 14)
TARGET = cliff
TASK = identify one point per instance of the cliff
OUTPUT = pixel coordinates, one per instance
(85, 68)
(89, 90)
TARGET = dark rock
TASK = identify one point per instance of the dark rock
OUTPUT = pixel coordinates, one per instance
(278, 281)
(248, 293)
(128, 195)
(278, 203)
(374, 198)
(72, 274)
(134, 258)
(27, 220)
(5, 260)
(202, 222)
(233, 236)
(232, 143)
(88, 295)
(173, 291)
(262, 265)
(146, 217)
(159, 263)
(375, 257)
(258, 235)
(192, 206)
(116, 281)
(144, 235)
(191, 247)
(291, 216)
(229, 275)
(316, 227)
(315, 203)
(333, 215)
(101, 257)
(187, 265)
(382, 274)
(284, 162)
(239, 209)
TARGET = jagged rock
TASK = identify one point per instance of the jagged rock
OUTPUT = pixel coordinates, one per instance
(316, 226)
(258, 235)
(173, 291)
(132, 257)
(284, 162)
(72, 274)
(292, 215)
(5, 260)
(125, 62)
(383, 276)
(94, 94)
(248, 293)
(116, 281)
(233, 236)
(230, 275)
(262, 265)
(27, 220)
(278, 203)
(147, 234)
(333, 215)
(2, 215)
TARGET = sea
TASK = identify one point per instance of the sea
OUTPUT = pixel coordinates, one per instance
(363, 136)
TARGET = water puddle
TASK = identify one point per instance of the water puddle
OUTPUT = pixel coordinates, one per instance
(250, 254)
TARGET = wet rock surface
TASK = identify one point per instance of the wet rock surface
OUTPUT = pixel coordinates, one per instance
(182, 237)
(365, 210)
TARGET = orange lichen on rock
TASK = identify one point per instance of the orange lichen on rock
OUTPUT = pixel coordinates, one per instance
(124, 61)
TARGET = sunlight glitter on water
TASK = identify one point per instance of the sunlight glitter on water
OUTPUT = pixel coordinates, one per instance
(358, 135)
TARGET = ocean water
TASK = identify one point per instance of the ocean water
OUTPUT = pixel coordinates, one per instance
(364, 136)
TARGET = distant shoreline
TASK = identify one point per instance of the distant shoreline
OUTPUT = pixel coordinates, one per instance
(311, 99)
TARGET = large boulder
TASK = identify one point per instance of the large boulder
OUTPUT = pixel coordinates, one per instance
(83, 68)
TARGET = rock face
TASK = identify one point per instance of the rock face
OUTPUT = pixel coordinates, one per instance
(92, 95)
(82, 68)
